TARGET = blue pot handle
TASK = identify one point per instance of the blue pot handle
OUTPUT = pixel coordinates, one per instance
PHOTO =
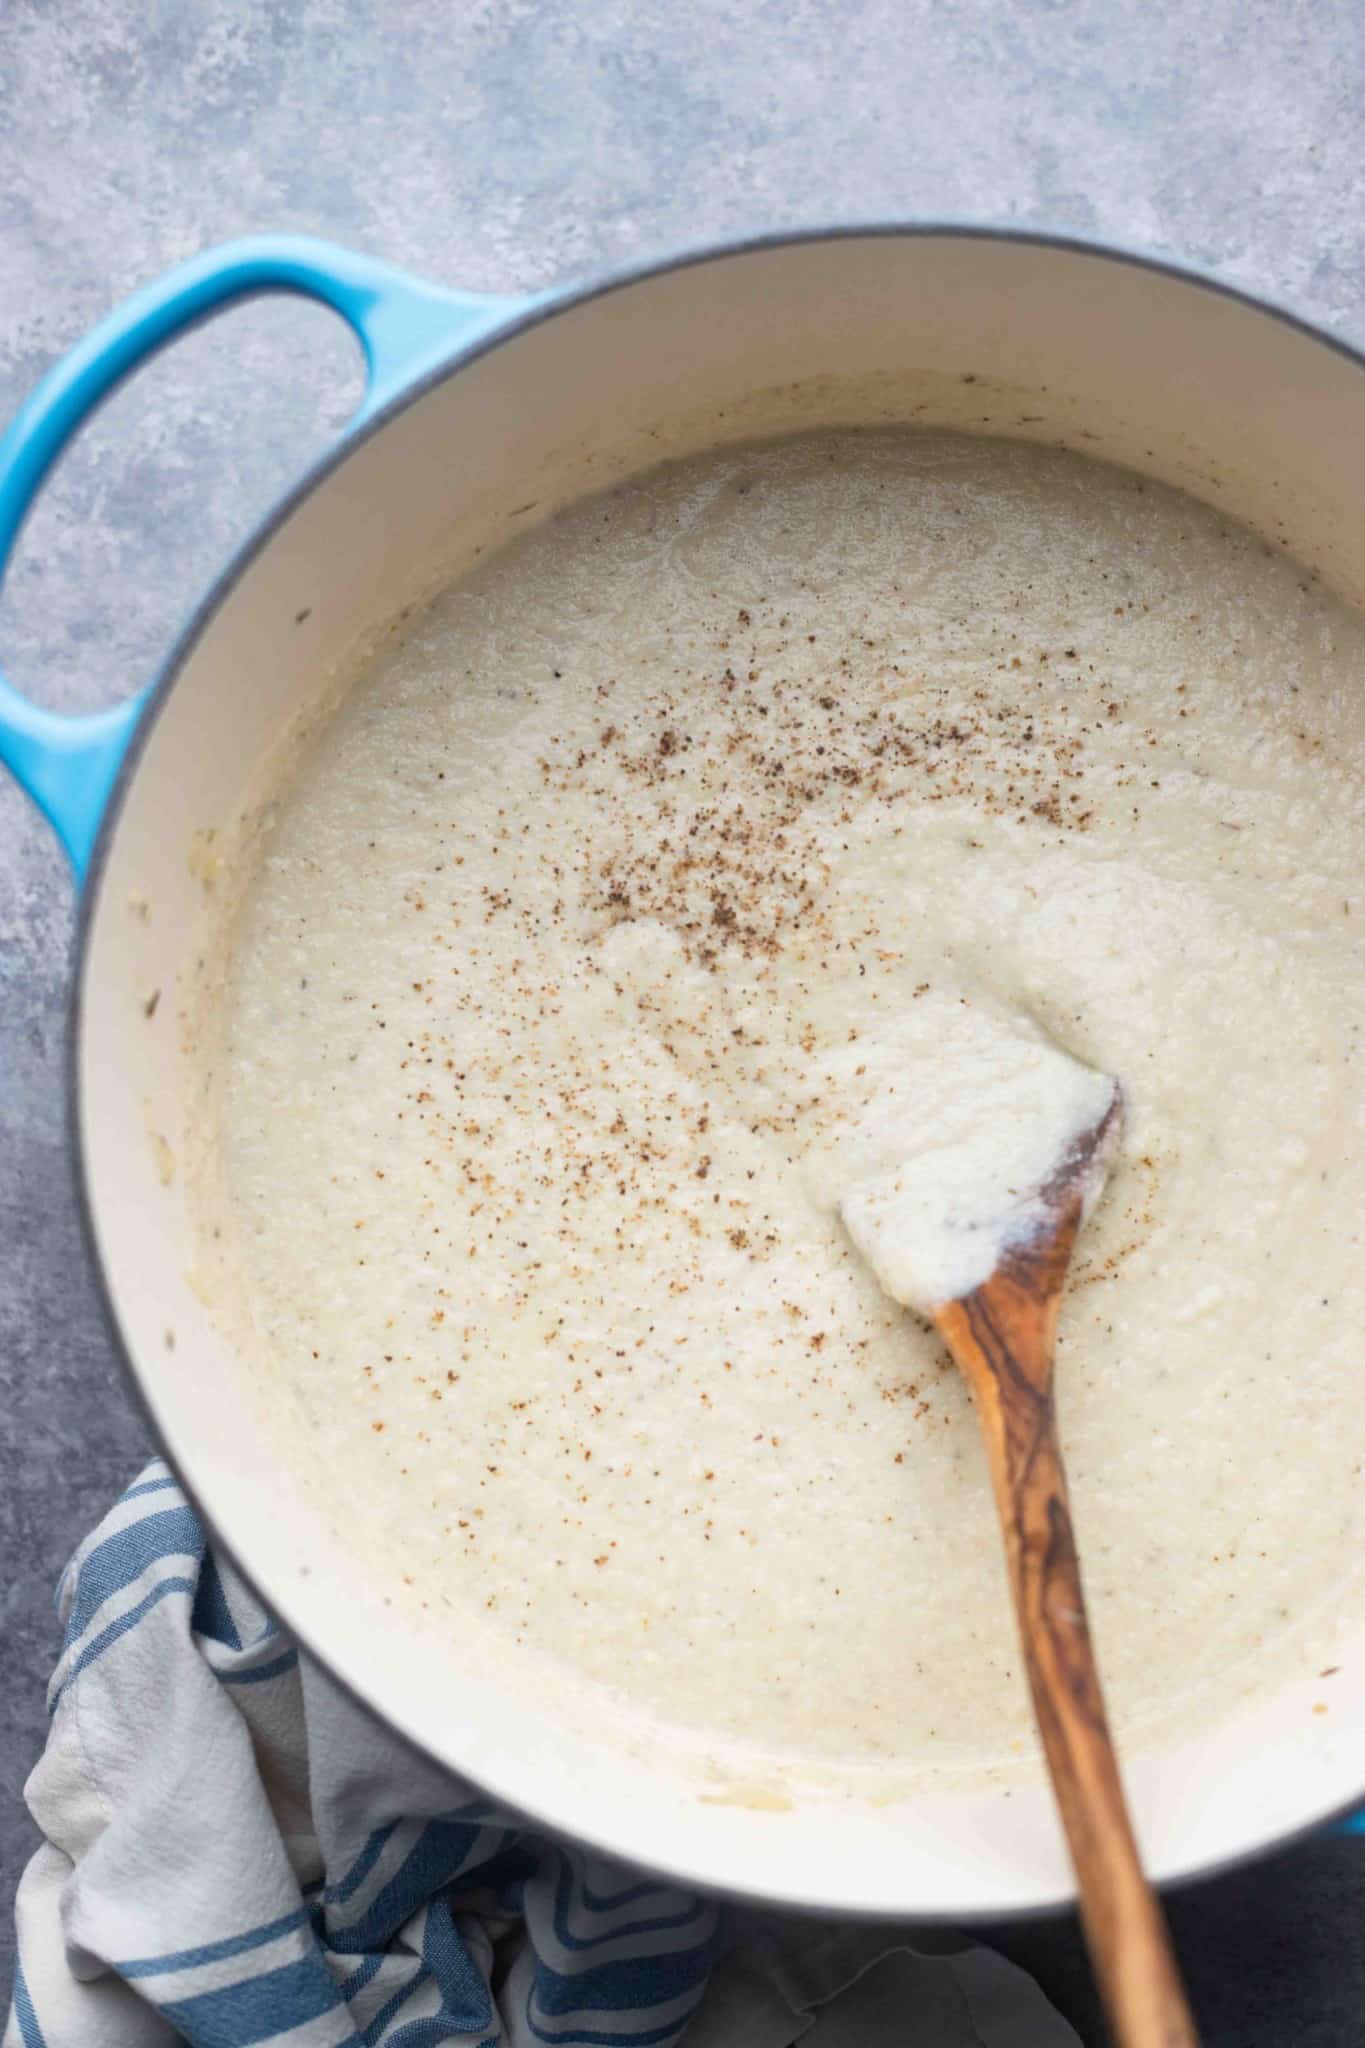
(405, 326)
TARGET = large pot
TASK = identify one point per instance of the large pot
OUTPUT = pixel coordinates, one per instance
(476, 406)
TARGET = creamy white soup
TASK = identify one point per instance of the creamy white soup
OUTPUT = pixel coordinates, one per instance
(579, 955)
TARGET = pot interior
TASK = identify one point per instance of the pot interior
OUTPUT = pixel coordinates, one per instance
(1058, 344)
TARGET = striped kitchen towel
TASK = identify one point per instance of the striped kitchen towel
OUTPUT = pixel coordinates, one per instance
(235, 1853)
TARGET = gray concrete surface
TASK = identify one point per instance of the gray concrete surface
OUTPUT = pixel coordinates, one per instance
(502, 144)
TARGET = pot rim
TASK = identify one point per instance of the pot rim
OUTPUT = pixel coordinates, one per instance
(530, 313)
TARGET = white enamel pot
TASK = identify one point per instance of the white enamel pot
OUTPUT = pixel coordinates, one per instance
(477, 408)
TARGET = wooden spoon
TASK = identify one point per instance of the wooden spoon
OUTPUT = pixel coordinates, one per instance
(1002, 1337)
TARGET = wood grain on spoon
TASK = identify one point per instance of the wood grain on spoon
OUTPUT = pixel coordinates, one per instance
(1002, 1336)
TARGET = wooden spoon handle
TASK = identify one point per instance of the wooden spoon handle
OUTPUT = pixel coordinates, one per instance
(1125, 1928)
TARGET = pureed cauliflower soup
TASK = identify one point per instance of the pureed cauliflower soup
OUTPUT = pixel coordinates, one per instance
(574, 947)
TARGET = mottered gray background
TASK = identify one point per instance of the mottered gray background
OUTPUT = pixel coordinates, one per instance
(504, 144)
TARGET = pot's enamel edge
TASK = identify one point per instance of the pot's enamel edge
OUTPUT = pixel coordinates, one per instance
(385, 407)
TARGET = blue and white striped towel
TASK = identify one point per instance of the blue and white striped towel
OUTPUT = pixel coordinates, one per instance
(235, 1853)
